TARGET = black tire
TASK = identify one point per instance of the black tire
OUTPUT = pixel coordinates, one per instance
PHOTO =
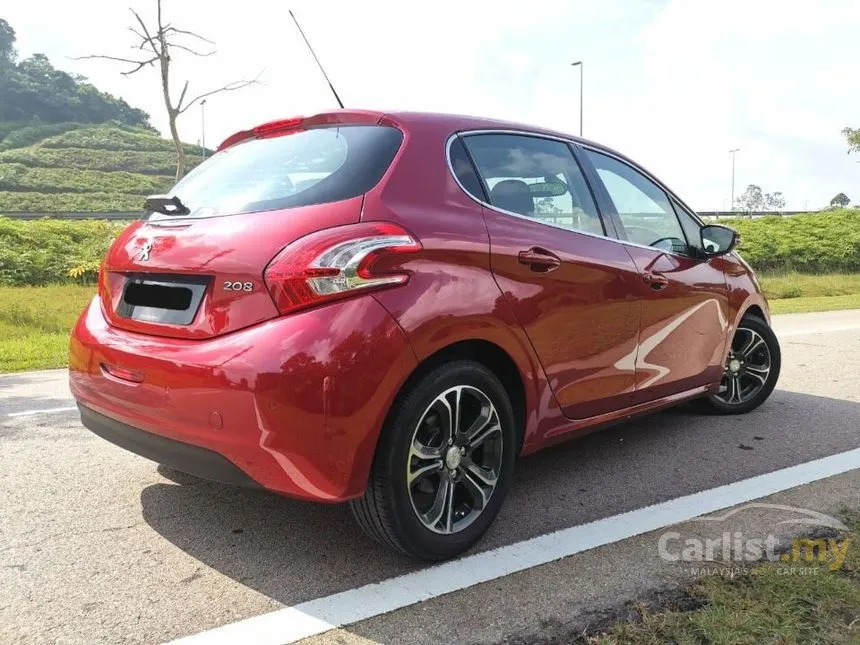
(717, 403)
(387, 512)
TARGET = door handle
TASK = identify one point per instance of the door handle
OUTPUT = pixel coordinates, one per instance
(655, 281)
(539, 260)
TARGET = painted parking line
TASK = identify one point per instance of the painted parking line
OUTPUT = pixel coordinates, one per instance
(29, 413)
(318, 616)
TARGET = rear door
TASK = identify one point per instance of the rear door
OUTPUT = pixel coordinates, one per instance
(572, 288)
(683, 294)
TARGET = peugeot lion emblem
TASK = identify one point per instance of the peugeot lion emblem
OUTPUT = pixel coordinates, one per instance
(145, 250)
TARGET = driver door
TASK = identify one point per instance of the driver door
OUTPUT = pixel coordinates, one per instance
(683, 296)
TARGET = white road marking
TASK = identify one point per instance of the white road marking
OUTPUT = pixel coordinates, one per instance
(29, 413)
(318, 616)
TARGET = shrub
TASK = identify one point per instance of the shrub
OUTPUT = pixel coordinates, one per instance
(39, 252)
(143, 162)
(812, 243)
(17, 177)
(109, 137)
(12, 201)
(21, 135)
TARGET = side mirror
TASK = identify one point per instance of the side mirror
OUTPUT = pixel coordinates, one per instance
(719, 240)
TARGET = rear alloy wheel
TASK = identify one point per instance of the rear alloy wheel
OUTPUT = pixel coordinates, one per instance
(751, 370)
(443, 464)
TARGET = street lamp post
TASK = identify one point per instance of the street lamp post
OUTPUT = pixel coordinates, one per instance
(732, 152)
(580, 65)
(203, 128)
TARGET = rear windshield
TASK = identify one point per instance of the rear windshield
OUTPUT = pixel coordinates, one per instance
(315, 166)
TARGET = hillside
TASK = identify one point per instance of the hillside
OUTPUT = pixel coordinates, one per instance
(83, 167)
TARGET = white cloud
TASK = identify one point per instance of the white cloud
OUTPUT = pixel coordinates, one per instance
(673, 84)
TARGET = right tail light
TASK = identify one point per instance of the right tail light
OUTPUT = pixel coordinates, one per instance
(337, 263)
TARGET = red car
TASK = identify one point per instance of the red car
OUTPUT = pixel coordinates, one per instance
(389, 308)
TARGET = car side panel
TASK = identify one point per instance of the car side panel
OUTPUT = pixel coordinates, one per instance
(451, 295)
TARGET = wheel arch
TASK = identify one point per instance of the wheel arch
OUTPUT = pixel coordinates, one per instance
(490, 355)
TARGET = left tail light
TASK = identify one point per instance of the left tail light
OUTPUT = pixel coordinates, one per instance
(339, 262)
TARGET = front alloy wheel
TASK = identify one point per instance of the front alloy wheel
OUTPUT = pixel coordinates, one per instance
(751, 370)
(443, 464)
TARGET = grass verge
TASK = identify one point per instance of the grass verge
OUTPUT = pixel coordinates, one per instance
(35, 324)
(762, 606)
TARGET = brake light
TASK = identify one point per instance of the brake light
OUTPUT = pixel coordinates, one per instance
(339, 262)
(272, 128)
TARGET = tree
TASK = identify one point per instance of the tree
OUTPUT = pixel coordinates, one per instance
(751, 200)
(774, 201)
(8, 55)
(32, 90)
(157, 45)
(840, 201)
(852, 136)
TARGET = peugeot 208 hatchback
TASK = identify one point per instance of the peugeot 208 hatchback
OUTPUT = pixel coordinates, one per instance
(389, 308)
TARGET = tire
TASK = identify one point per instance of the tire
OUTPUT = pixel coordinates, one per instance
(749, 370)
(400, 514)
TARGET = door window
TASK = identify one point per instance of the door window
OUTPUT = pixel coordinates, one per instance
(644, 209)
(536, 178)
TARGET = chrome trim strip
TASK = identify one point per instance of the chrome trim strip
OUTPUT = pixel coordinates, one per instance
(533, 219)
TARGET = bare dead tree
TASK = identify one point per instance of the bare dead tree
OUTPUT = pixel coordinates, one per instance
(155, 47)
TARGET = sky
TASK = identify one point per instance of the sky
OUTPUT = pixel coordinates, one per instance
(674, 84)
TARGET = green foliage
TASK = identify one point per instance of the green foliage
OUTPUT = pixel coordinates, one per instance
(812, 243)
(840, 201)
(33, 89)
(13, 201)
(18, 135)
(147, 163)
(17, 177)
(44, 251)
(114, 138)
(109, 175)
(852, 137)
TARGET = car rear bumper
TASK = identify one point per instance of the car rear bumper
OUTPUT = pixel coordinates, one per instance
(294, 405)
(193, 460)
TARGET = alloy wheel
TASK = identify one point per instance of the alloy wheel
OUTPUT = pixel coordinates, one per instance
(747, 368)
(455, 459)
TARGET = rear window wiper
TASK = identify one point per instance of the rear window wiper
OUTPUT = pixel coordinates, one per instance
(166, 205)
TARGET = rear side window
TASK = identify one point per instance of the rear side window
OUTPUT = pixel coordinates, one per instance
(535, 177)
(306, 167)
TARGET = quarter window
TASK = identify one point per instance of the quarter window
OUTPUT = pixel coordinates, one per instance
(535, 177)
(644, 209)
(692, 229)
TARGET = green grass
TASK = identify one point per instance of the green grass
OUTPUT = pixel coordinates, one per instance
(762, 607)
(791, 292)
(799, 285)
(814, 303)
(35, 324)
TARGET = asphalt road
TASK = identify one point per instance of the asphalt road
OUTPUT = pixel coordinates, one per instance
(99, 545)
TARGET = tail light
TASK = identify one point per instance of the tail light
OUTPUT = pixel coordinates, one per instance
(339, 262)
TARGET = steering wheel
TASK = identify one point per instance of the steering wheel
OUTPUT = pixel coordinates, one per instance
(674, 243)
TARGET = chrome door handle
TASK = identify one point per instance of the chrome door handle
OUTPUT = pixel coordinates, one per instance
(656, 281)
(539, 260)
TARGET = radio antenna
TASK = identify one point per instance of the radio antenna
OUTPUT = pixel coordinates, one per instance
(305, 38)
